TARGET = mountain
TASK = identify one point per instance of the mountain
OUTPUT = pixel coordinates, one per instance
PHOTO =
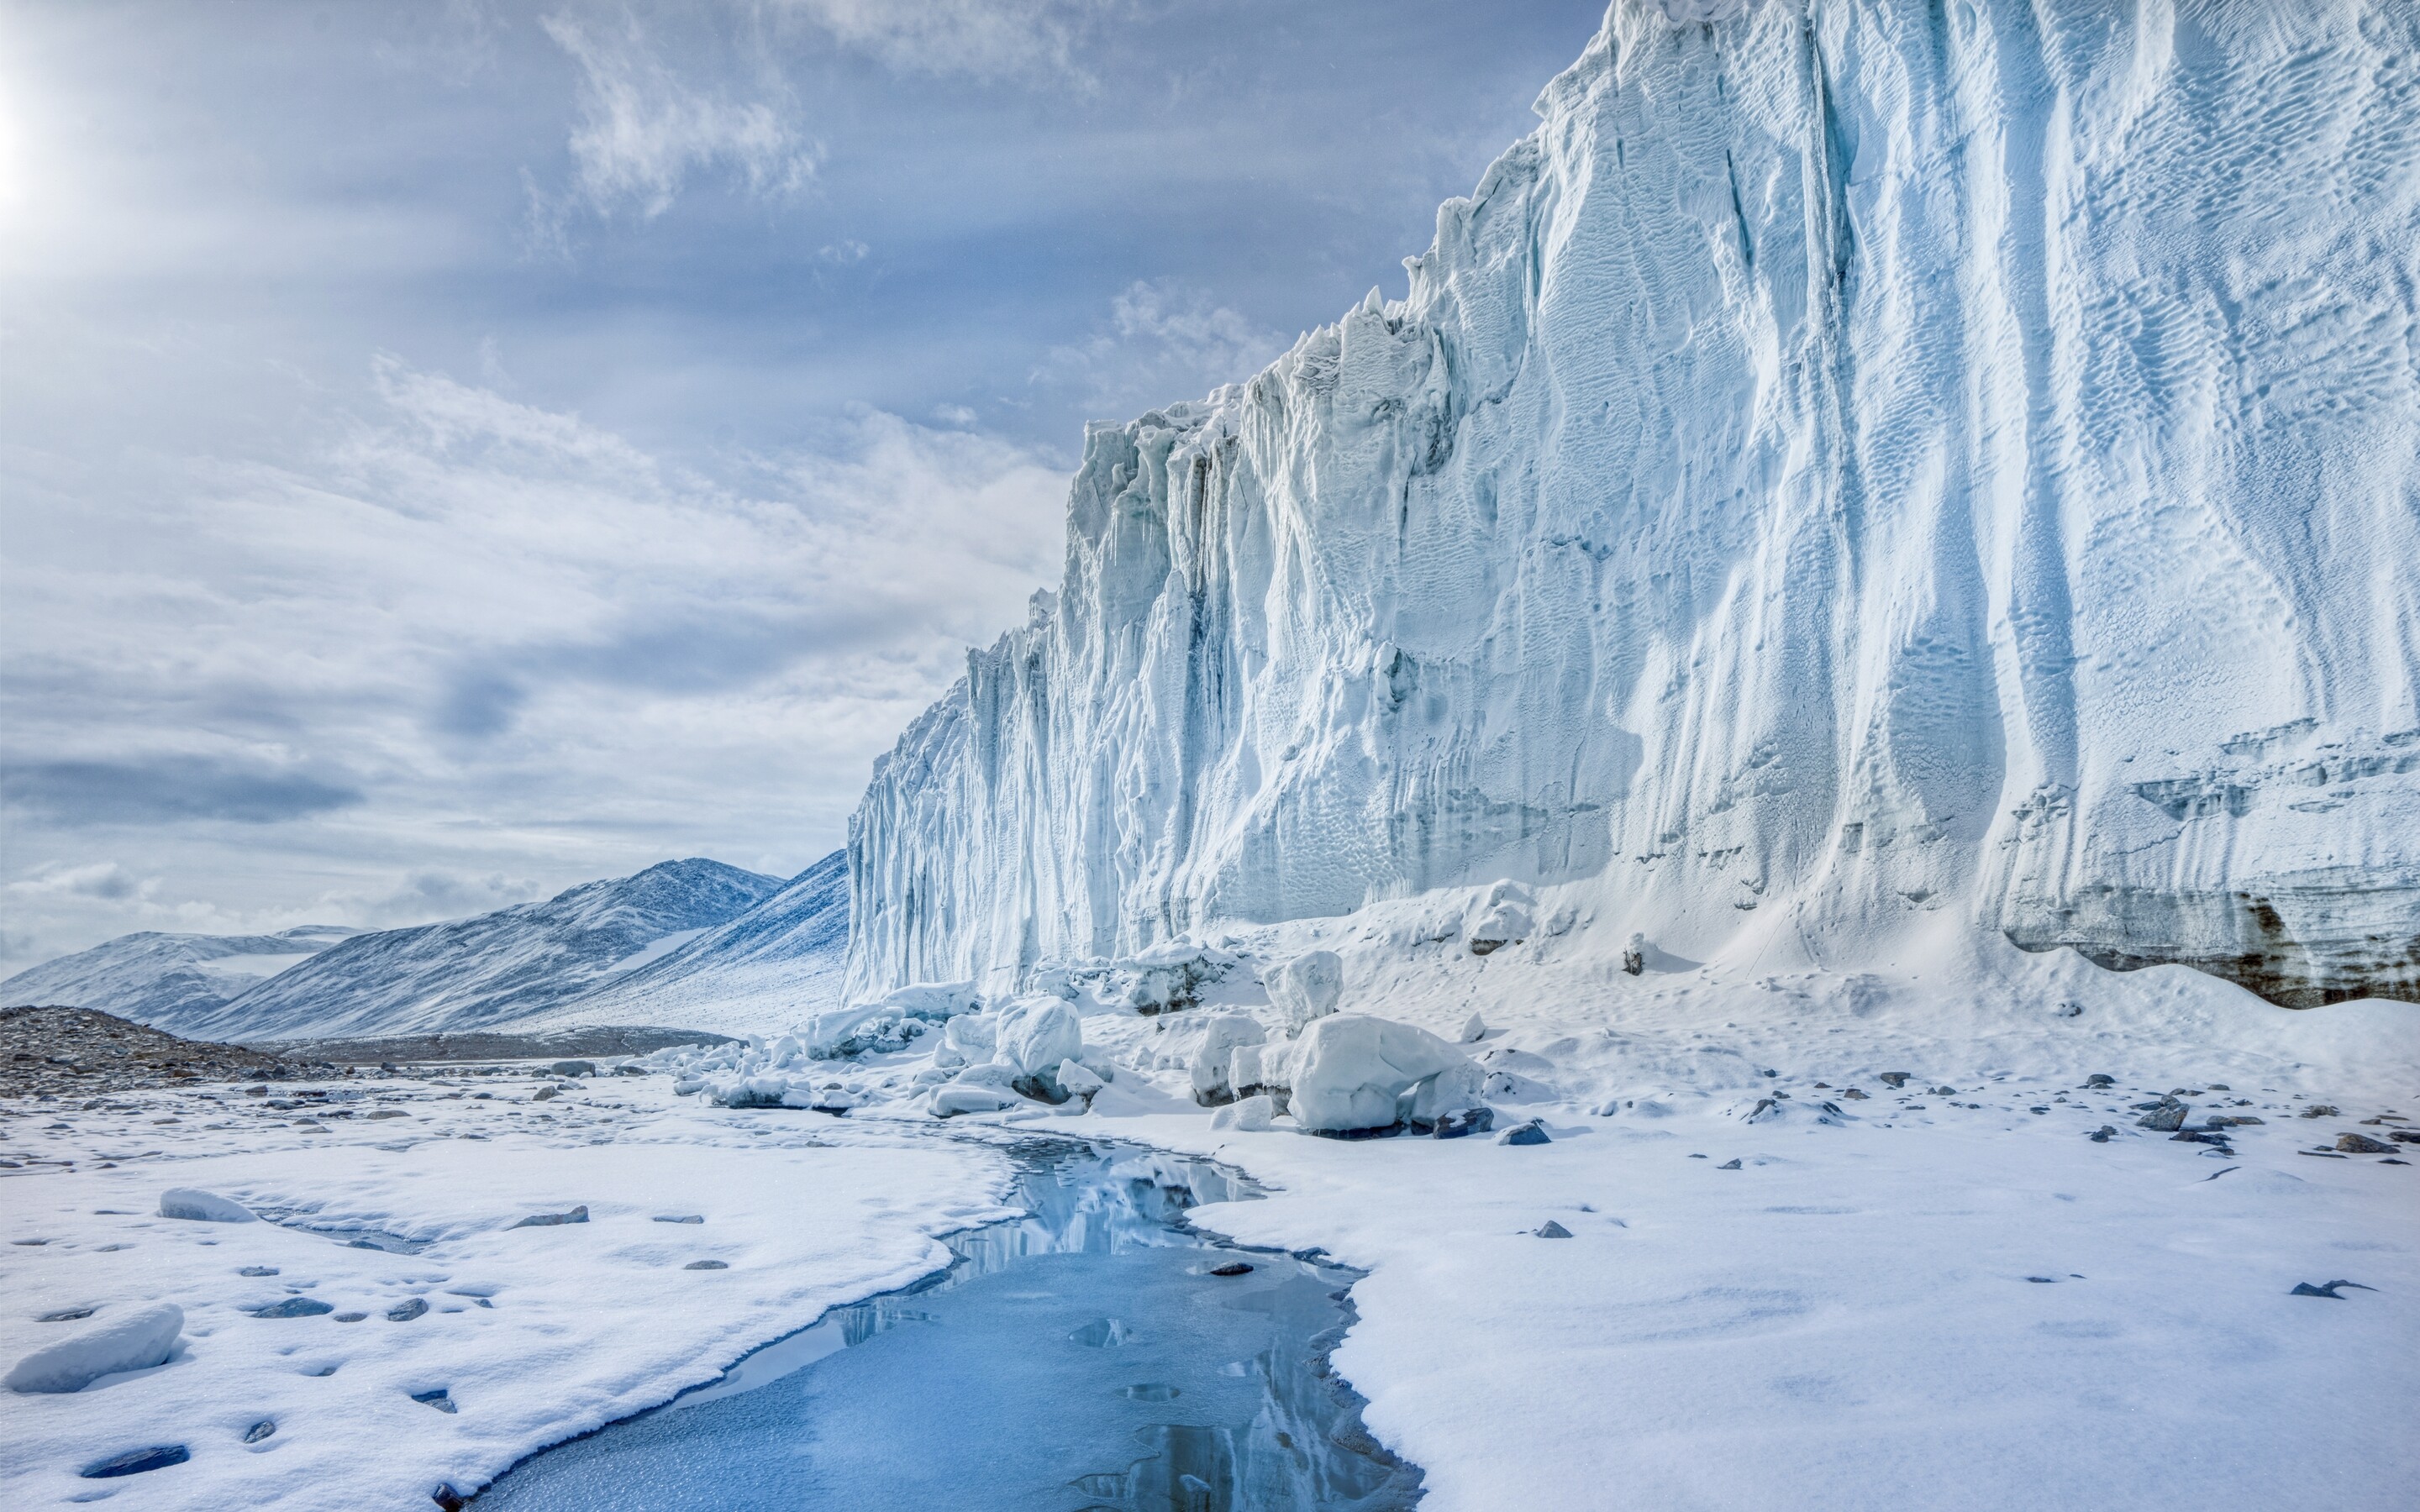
(1854, 470)
(763, 971)
(155, 977)
(473, 973)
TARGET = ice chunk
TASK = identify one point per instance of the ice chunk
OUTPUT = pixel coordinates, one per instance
(1351, 1071)
(1474, 1029)
(137, 1341)
(202, 1207)
(1037, 1033)
(1306, 987)
(1077, 1080)
(1504, 920)
(1457, 1088)
(969, 1097)
(1171, 976)
(1220, 1036)
(1248, 1116)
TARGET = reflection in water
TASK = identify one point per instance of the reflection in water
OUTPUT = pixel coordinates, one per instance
(1079, 1359)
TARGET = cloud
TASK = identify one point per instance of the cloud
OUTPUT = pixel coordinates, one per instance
(103, 880)
(642, 128)
(1034, 40)
(1163, 340)
(166, 789)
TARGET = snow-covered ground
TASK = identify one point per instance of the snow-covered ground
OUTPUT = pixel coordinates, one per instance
(1943, 1294)
(535, 1333)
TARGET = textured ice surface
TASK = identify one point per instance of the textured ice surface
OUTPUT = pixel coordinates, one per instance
(1851, 462)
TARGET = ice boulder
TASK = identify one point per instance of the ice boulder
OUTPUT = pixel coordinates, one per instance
(1171, 976)
(934, 1002)
(137, 1341)
(1255, 1068)
(1079, 1080)
(1220, 1037)
(1505, 919)
(1351, 1071)
(203, 1207)
(1306, 987)
(1037, 1034)
(1249, 1115)
(1458, 1089)
(969, 1097)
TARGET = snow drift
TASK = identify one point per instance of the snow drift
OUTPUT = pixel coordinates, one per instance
(1851, 462)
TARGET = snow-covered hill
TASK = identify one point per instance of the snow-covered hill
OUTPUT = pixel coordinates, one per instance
(474, 973)
(1853, 466)
(160, 978)
(761, 972)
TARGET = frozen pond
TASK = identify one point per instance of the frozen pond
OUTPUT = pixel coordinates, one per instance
(1081, 1358)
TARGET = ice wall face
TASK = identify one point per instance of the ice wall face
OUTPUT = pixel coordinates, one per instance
(1850, 461)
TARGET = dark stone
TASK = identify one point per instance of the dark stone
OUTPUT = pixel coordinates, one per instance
(1531, 1133)
(2043, 1280)
(2164, 1118)
(259, 1430)
(1896, 1079)
(448, 1499)
(2320, 1110)
(1462, 1122)
(1389, 1131)
(258, 1269)
(1551, 1229)
(2303, 1289)
(409, 1309)
(548, 1220)
(1855, 1095)
(707, 1265)
(136, 1461)
(1232, 1268)
(679, 1218)
(2353, 1144)
(1634, 961)
(573, 1068)
(1731, 1165)
(543, 1094)
(2097, 1081)
(2405, 1137)
(2102, 1134)
(351, 1317)
(440, 1400)
(294, 1308)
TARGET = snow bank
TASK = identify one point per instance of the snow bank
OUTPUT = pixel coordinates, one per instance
(137, 1341)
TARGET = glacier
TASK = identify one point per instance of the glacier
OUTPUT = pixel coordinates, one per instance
(1852, 468)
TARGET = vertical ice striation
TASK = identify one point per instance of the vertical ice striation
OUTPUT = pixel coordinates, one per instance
(1852, 460)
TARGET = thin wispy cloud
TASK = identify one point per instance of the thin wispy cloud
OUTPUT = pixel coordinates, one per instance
(1034, 40)
(642, 129)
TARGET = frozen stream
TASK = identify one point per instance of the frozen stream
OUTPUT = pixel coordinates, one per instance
(1080, 1358)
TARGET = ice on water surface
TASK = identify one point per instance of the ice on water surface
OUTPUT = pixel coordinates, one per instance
(1082, 1355)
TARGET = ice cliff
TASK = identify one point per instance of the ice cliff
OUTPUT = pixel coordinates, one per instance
(1851, 462)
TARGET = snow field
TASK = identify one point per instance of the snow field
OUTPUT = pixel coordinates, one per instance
(531, 1334)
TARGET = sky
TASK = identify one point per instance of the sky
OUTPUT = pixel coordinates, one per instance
(450, 450)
